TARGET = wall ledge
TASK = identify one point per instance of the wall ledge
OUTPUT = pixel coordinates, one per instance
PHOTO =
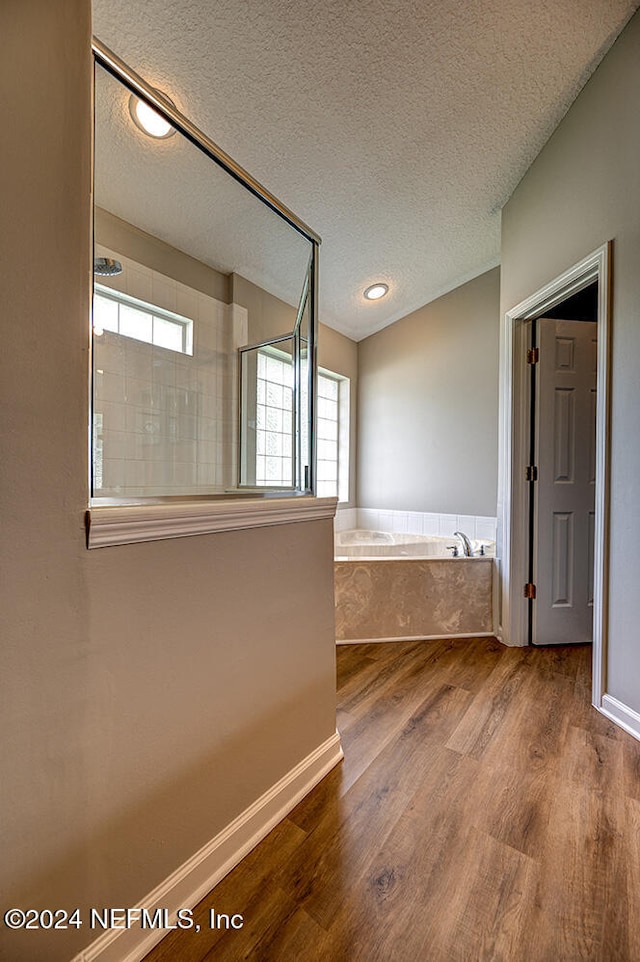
(130, 524)
(185, 887)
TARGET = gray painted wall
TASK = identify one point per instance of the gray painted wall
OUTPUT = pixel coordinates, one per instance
(583, 190)
(428, 403)
(125, 238)
(150, 692)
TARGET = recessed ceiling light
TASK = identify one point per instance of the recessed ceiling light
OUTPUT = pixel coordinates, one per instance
(149, 120)
(375, 291)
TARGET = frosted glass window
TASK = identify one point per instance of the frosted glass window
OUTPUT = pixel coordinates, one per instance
(270, 425)
(327, 450)
(105, 315)
(332, 437)
(274, 427)
(327, 408)
(167, 334)
(121, 314)
(274, 420)
(136, 323)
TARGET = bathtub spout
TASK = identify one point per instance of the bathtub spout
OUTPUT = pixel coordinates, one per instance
(466, 544)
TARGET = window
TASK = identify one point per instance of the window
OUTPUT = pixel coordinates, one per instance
(274, 419)
(274, 426)
(333, 436)
(130, 317)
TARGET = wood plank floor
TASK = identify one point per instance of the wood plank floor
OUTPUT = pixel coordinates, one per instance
(484, 811)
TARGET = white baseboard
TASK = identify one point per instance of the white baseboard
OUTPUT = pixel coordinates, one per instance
(185, 887)
(441, 637)
(621, 714)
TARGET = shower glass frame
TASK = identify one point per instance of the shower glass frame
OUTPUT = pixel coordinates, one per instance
(304, 340)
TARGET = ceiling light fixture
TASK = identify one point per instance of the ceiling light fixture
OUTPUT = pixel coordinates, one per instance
(376, 291)
(148, 120)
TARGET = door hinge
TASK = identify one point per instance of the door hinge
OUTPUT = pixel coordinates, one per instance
(533, 355)
(531, 472)
(529, 590)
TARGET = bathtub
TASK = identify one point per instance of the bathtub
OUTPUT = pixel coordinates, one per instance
(403, 587)
(359, 543)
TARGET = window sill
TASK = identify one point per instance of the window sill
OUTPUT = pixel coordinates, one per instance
(131, 524)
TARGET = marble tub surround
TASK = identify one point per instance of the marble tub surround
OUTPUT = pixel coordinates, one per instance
(389, 598)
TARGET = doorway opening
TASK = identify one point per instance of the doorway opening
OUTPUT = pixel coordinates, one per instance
(518, 524)
(560, 475)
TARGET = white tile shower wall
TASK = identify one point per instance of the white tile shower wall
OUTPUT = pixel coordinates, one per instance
(345, 519)
(426, 523)
(168, 419)
(239, 329)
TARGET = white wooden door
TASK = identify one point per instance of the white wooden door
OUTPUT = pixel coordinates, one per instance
(565, 490)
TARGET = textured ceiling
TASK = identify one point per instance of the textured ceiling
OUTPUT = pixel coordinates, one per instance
(171, 190)
(396, 129)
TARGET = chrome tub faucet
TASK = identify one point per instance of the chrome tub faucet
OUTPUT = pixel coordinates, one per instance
(467, 550)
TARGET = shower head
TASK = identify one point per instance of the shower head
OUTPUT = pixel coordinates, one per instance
(106, 266)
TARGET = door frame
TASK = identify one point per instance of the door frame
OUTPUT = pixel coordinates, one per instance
(514, 428)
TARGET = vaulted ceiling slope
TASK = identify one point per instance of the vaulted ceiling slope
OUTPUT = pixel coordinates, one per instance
(397, 129)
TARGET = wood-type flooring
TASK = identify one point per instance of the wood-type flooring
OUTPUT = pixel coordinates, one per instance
(484, 811)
